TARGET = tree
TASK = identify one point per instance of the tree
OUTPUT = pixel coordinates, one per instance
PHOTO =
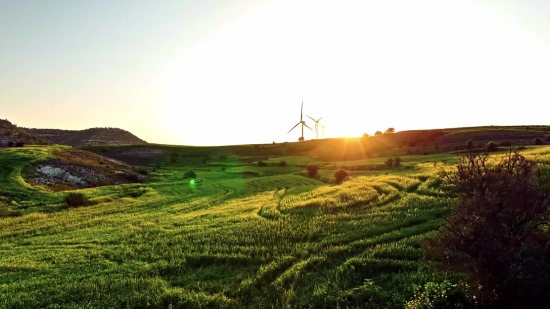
(389, 131)
(190, 174)
(365, 135)
(377, 133)
(491, 146)
(312, 170)
(340, 175)
(498, 234)
(397, 161)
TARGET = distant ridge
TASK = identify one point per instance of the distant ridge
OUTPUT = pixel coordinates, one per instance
(11, 134)
(92, 136)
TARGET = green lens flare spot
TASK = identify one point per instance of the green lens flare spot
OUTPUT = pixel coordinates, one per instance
(192, 181)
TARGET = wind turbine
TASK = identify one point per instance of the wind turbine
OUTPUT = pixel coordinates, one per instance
(316, 126)
(303, 123)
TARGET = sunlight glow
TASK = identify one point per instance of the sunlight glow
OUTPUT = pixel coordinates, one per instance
(241, 74)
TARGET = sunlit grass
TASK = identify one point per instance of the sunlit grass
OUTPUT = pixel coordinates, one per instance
(229, 240)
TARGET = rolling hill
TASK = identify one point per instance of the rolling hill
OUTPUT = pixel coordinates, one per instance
(92, 136)
(10, 133)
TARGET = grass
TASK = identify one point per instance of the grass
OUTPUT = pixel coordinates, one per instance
(231, 240)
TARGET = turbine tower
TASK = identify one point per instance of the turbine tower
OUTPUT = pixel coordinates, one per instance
(303, 123)
(316, 126)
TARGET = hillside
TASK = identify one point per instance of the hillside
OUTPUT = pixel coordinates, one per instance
(92, 136)
(405, 143)
(238, 236)
(11, 133)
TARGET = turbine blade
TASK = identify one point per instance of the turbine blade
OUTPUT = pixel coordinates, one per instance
(293, 127)
(307, 127)
(311, 118)
(302, 111)
(319, 119)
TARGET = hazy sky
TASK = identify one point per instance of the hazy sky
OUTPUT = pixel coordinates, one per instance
(228, 72)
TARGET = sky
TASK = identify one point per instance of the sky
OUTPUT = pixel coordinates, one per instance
(236, 72)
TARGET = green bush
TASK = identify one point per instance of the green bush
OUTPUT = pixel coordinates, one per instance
(397, 161)
(491, 146)
(76, 199)
(445, 295)
(340, 175)
(312, 170)
(190, 174)
(497, 235)
(282, 163)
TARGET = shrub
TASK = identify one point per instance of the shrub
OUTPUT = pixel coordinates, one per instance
(190, 174)
(538, 141)
(282, 163)
(262, 163)
(76, 199)
(142, 171)
(505, 144)
(445, 295)
(469, 145)
(389, 162)
(132, 177)
(312, 170)
(378, 133)
(11, 144)
(498, 232)
(491, 146)
(340, 175)
(397, 161)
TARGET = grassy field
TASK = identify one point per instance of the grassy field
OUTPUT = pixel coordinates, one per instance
(273, 239)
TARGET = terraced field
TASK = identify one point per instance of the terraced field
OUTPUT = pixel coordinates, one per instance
(226, 241)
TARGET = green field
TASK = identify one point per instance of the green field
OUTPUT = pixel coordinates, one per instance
(230, 240)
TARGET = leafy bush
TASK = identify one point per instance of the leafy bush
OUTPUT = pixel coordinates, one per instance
(312, 170)
(491, 146)
(262, 163)
(11, 144)
(340, 175)
(432, 295)
(76, 199)
(190, 174)
(397, 161)
(389, 162)
(132, 177)
(142, 171)
(282, 164)
(497, 234)
(538, 141)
